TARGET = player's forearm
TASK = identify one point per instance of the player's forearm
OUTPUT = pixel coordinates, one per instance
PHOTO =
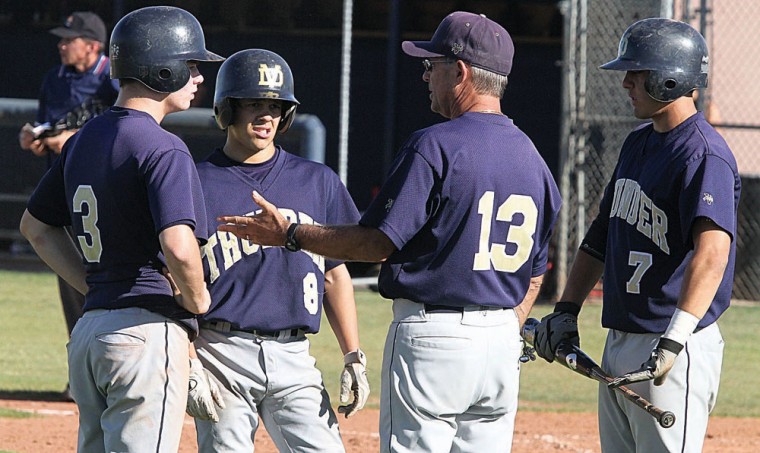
(340, 308)
(523, 310)
(584, 274)
(704, 272)
(54, 246)
(346, 242)
(183, 259)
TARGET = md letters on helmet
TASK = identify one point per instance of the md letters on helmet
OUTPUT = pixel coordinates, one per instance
(271, 77)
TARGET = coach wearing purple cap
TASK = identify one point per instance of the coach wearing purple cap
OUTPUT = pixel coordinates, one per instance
(462, 227)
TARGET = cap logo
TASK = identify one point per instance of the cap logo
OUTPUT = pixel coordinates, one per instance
(456, 48)
(271, 77)
(69, 22)
(624, 45)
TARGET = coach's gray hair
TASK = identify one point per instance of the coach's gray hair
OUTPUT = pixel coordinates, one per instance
(487, 82)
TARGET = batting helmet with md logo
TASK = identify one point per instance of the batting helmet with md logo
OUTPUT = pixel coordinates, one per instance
(254, 74)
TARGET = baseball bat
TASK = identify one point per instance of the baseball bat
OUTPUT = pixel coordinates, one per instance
(574, 358)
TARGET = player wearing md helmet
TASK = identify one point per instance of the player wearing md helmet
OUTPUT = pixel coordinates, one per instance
(254, 74)
(265, 301)
(154, 44)
(673, 52)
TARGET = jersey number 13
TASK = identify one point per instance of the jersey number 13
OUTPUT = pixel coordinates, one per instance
(495, 253)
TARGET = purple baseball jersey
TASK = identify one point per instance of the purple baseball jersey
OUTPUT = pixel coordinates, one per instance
(470, 206)
(269, 288)
(119, 182)
(662, 183)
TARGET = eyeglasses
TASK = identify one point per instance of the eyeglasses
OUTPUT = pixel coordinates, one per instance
(428, 65)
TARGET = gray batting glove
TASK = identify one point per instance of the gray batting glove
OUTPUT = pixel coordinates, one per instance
(353, 379)
(203, 395)
(555, 328)
(657, 367)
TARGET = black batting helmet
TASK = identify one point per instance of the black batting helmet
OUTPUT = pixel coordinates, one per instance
(254, 74)
(673, 52)
(153, 45)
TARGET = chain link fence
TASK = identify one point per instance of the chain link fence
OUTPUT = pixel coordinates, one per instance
(597, 116)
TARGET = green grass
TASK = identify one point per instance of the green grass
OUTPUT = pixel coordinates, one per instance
(33, 346)
(10, 413)
(33, 353)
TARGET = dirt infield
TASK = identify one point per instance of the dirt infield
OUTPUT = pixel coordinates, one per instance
(53, 429)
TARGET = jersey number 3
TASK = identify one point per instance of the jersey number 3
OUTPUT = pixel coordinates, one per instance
(90, 241)
(520, 235)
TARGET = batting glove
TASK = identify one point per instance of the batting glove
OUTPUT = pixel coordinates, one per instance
(557, 327)
(203, 395)
(353, 379)
(657, 367)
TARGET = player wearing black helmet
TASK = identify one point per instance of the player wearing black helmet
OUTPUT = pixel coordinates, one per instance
(265, 300)
(664, 239)
(131, 193)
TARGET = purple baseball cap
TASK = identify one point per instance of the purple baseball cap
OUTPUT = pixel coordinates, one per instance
(82, 24)
(473, 38)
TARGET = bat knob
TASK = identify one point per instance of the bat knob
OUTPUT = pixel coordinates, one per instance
(667, 419)
(528, 354)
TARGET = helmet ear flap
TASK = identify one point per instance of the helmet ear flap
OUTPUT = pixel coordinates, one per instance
(223, 113)
(667, 86)
(168, 77)
(287, 117)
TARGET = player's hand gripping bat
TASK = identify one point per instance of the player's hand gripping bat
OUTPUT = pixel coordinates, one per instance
(574, 358)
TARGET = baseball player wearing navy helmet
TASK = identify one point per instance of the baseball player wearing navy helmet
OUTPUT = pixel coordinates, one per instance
(664, 239)
(131, 193)
(462, 226)
(266, 300)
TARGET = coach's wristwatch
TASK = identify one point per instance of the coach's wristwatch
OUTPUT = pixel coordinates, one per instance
(291, 243)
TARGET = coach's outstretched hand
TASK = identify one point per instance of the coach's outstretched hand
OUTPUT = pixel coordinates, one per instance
(203, 395)
(267, 227)
(353, 379)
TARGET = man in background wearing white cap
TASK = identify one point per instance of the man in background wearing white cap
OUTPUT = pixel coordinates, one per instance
(462, 226)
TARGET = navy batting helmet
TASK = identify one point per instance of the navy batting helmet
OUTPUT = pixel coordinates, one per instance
(673, 52)
(254, 74)
(153, 45)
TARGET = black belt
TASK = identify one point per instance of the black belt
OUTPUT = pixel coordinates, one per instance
(432, 308)
(224, 326)
(276, 333)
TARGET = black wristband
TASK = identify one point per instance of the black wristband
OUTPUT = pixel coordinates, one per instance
(670, 345)
(567, 307)
(291, 243)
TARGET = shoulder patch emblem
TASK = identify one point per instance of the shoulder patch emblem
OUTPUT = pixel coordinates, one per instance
(388, 205)
(707, 198)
